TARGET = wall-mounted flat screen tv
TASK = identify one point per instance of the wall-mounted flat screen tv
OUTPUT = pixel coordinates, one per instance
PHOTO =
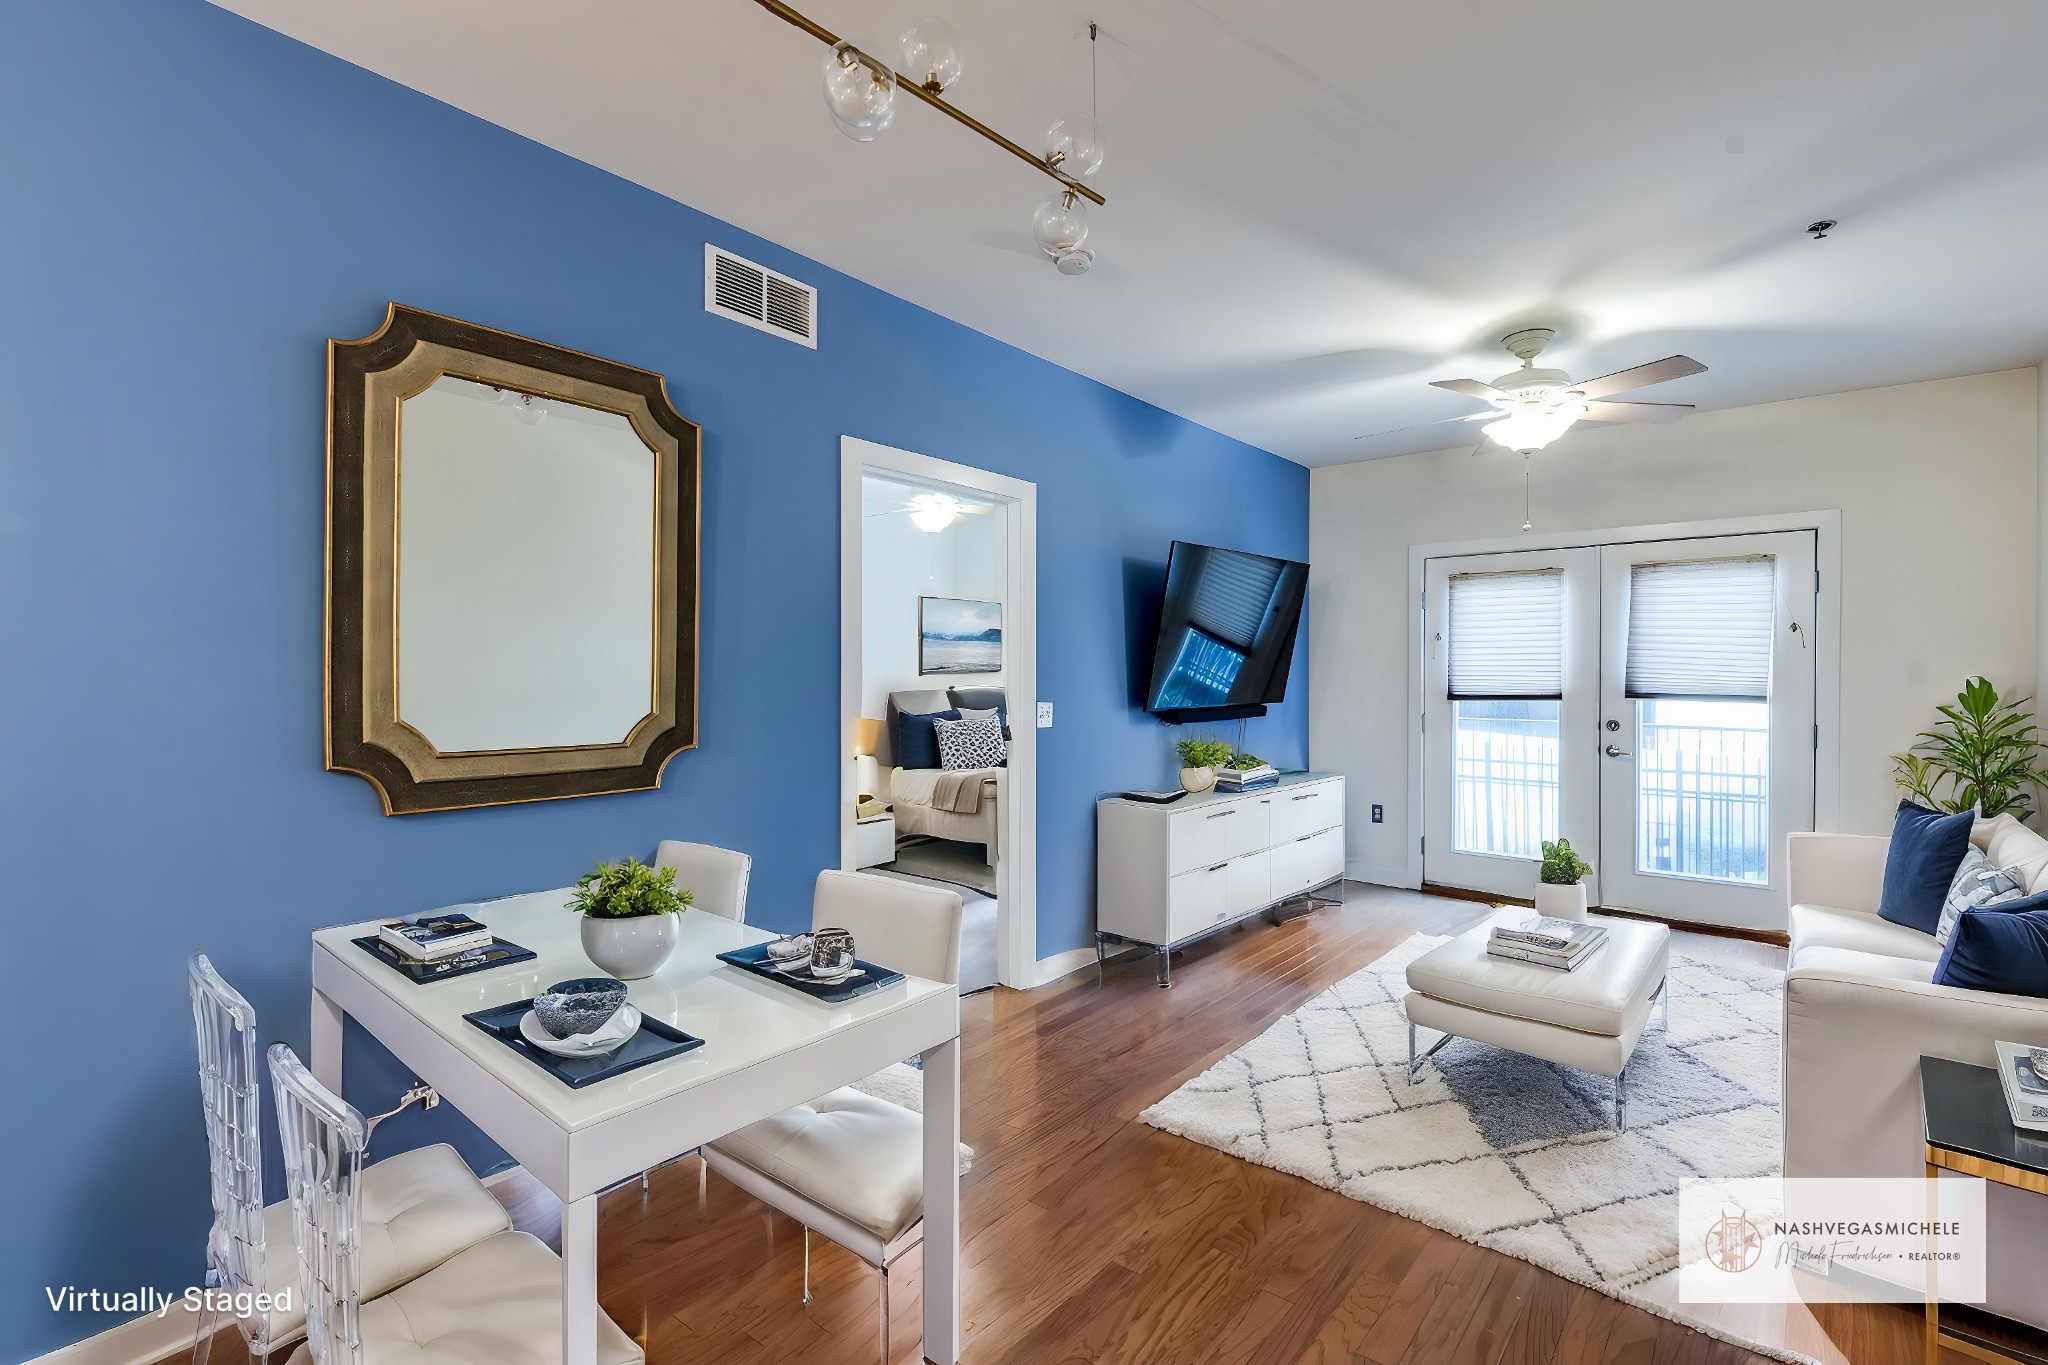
(1226, 633)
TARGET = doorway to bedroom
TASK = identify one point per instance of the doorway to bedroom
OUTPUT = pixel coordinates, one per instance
(938, 702)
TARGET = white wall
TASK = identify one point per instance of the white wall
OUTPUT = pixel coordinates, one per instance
(1937, 486)
(899, 564)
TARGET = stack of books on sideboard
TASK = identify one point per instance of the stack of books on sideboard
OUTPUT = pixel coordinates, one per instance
(1561, 944)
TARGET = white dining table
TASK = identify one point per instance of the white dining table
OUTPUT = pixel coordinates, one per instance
(766, 1047)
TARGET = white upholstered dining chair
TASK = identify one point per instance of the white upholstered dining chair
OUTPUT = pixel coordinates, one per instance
(498, 1302)
(847, 1164)
(715, 877)
(420, 1207)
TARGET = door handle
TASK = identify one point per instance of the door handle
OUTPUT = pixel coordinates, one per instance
(1613, 752)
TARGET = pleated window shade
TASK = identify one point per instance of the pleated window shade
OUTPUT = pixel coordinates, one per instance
(1702, 630)
(1507, 636)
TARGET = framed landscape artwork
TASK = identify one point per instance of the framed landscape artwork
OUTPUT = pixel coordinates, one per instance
(959, 635)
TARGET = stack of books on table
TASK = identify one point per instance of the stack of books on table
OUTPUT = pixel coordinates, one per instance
(1558, 943)
(435, 938)
(1237, 779)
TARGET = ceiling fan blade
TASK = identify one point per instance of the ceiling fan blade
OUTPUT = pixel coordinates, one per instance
(1471, 388)
(1635, 412)
(1641, 377)
(968, 509)
(1439, 422)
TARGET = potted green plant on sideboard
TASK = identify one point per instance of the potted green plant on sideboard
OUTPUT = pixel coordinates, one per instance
(1200, 757)
(629, 915)
(1560, 886)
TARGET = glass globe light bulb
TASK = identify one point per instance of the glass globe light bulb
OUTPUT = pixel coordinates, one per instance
(860, 93)
(1060, 227)
(1074, 145)
(528, 411)
(929, 54)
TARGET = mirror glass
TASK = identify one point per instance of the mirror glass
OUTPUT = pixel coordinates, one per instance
(526, 597)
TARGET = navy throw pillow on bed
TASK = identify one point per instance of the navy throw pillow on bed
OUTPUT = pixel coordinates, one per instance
(917, 744)
(1927, 847)
(1999, 949)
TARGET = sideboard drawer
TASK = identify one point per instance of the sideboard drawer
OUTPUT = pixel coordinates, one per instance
(1197, 900)
(1308, 861)
(1217, 831)
(1306, 811)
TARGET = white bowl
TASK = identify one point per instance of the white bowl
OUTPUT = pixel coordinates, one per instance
(608, 1038)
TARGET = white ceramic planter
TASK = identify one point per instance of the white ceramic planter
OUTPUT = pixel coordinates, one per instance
(1561, 902)
(630, 948)
(1197, 780)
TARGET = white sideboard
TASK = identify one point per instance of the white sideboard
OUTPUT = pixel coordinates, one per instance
(1167, 874)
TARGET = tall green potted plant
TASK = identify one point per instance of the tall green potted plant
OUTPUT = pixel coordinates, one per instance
(1984, 754)
(630, 917)
(1560, 888)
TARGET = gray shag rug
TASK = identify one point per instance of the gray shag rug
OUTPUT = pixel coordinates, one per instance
(1504, 1150)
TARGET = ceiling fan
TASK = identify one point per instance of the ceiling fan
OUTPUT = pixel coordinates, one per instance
(1530, 407)
(934, 512)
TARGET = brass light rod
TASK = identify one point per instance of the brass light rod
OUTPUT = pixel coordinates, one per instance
(960, 116)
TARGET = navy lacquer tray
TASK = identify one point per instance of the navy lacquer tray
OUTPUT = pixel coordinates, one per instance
(869, 977)
(655, 1042)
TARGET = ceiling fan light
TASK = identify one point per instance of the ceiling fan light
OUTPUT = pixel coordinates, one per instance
(860, 92)
(1527, 429)
(931, 519)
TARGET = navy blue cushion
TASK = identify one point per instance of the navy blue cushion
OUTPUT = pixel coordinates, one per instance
(917, 744)
(1999, 949)
(1927, 848)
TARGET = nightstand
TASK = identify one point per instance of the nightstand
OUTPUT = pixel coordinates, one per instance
(874, 840)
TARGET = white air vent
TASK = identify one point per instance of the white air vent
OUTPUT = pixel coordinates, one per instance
(736, 288)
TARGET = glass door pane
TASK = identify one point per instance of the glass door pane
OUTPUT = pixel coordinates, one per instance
(1506, 777)
(1703, 789)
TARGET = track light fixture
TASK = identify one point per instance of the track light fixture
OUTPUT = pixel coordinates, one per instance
(860, 94)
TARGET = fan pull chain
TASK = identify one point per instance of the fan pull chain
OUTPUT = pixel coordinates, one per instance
(1526, 523)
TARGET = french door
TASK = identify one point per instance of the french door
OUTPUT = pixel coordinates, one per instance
(1653, 702)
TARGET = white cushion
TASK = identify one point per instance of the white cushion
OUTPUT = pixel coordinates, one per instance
(2009, 844)
(860, 1157)
(1821, 926)
(498, 1303)
(419, 1208)
(1598, 996)
(1820, 958)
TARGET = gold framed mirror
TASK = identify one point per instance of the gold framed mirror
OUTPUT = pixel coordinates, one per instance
(512, 544)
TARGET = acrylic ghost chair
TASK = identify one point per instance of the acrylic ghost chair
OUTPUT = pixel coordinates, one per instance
(847, 1164)
(424, 1204)
(498, 1302)
(716, 877)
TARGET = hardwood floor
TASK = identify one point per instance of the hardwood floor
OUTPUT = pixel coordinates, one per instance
(1091, 1237)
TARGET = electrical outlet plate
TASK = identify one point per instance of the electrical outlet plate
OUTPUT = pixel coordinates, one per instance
(1045, 715)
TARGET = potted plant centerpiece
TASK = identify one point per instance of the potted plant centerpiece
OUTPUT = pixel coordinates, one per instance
(629, 916)
(1560, 893)
(1200, 757)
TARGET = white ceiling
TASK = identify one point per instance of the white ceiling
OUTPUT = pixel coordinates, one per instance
(1314, 208)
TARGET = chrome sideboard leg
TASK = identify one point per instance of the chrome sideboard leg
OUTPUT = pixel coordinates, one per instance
(1165, 969)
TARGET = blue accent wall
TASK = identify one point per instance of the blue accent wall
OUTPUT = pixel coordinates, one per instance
(192, 206)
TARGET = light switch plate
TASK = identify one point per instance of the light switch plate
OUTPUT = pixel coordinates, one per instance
(1045, 715)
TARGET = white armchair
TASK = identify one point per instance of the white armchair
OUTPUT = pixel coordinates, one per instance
(1861, 1010)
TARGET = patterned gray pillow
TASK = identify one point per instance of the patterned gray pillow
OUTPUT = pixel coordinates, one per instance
(970, 744)
(1977, 885)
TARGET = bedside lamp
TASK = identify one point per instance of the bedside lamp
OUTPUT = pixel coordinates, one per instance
(867, 770)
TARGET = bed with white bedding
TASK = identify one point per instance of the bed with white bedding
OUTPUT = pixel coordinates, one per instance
(963, 805)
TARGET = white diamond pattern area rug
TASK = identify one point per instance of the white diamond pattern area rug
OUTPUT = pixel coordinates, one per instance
(1504, 1150)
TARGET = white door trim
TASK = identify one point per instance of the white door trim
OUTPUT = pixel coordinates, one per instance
(1827, 529)
(1017, 962)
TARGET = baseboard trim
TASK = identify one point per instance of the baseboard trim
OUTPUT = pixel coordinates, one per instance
(1051, 969)
(1774, 938)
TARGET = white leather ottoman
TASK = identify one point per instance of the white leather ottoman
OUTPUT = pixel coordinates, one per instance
(1589, 1018)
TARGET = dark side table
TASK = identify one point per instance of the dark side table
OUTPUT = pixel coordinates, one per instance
(1969, 1130)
